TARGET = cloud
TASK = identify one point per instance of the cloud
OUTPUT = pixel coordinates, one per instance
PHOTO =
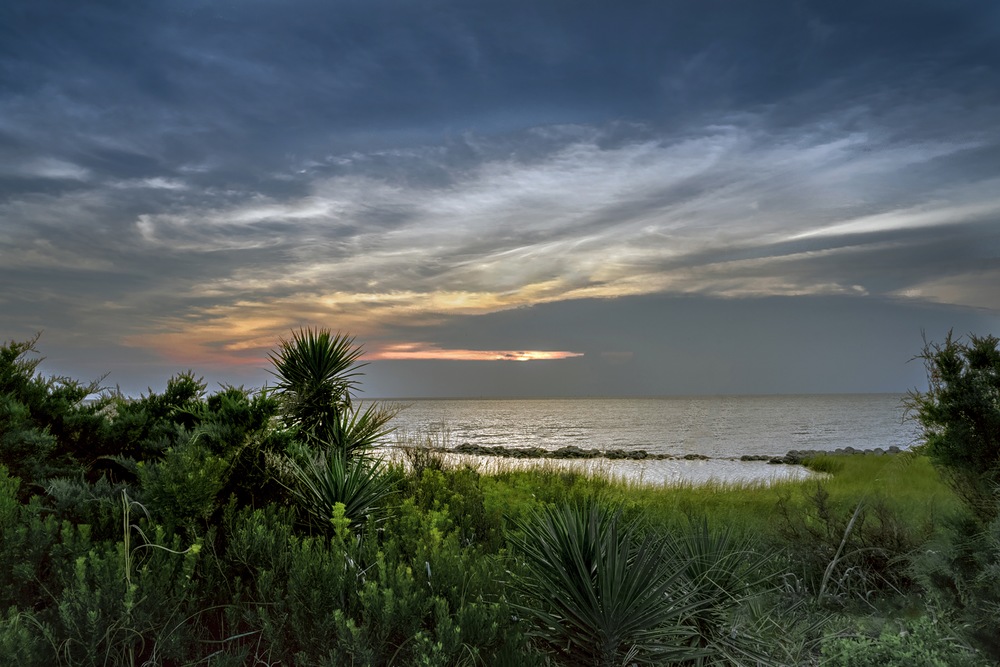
(723, 210)
(974, 288)
(47, 168)
(188, 182)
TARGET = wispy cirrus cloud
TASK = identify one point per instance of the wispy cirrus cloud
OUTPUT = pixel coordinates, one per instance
(184, 183)
(727, 211)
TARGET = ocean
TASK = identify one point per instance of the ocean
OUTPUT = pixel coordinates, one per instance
(721, 427)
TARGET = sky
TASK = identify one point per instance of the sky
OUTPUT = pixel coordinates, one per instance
(517, 198)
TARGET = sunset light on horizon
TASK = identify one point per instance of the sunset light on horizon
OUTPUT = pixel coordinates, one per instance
(420, 351)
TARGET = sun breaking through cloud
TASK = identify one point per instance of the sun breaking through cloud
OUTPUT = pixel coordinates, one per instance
(426, 351)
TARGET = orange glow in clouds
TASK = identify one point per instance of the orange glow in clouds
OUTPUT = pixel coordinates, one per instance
(243, 333)
(422, 351)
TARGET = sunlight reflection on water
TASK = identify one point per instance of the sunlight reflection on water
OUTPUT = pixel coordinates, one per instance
(653, 472)
(715, 426)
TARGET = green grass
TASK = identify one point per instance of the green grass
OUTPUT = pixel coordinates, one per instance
(907, 483)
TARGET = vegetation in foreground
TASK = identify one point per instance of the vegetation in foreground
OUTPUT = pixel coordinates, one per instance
(261, 527)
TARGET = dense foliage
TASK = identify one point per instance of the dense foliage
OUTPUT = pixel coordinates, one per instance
(263, 527)
(960, 416)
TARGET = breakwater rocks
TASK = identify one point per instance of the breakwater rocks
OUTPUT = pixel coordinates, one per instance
(793, 457)
(797, 456)
(568, 452)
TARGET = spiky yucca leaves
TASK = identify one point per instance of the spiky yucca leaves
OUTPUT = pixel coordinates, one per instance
(318, 366)
(730, 581)
(356, 430)
(597, 593)
(317, 375)
(321, 480)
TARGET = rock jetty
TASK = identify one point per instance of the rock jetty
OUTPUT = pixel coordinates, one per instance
(798, 456)
(793, 457)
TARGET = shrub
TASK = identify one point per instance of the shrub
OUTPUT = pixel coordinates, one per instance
(960, 417)
(144, 428)
(21, 642)
(459, 493)
(596, 592)
(849, 554)
(917, 643)
(45, 428)
(183, 488)
(961, 571)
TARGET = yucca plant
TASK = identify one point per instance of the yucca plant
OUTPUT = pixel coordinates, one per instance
(317, 375)
(321, 480)
(357, 430)
(596, 592)
(316, 371)
(729, 579)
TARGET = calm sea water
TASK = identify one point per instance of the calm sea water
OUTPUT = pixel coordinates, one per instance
(716, 426)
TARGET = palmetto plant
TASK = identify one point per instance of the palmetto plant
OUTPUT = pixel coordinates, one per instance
(317, 375)
(597, 593)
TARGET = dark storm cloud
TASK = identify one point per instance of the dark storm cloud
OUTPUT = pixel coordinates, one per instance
(209, 174)
(255, 79)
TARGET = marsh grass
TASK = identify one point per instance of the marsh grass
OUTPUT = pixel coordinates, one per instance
(420, 451)
(902, 496)
(908, 482)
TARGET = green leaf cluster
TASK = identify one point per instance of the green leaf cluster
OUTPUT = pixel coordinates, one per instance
(960, 416)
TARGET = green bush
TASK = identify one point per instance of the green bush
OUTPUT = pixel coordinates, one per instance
(960, 417)
(459, 492)
(410, 594)
(21, 642)
(145, 428)
(81, 601)
(849, 554)
(183, 489)
(960, 570)
(45, 428)
(917, 643)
